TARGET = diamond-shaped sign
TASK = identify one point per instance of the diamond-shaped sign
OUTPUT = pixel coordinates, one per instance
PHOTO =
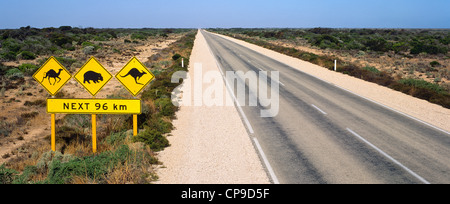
(52, 76)
(93, 76)
(134, 76)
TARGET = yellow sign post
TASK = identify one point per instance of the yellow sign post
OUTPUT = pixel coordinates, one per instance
(52, 76)
(135, 77)
(93, 77)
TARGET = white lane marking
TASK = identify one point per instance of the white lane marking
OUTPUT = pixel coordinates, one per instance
(389, 157)
(266, 162)
(323, 112)
(238, 105)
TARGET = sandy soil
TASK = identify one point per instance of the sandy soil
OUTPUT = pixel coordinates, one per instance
(210, 144)
(418, 108)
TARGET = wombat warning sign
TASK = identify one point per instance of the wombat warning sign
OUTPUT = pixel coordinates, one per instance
(93, 76)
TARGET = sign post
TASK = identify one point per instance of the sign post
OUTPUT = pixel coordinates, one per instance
(93, 77)
(53, 136)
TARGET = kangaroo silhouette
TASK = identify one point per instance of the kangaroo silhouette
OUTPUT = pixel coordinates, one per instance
(136, 74)
(52, 74)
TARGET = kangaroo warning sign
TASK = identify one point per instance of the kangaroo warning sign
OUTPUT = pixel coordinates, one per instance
(134, 76)
(52, 76)
(93, 76)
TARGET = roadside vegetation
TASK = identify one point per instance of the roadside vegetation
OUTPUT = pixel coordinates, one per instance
(120, 157)
(415, 62)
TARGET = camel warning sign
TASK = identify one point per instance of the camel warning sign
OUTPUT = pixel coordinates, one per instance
(52, 76)
(134, 76)
(93, 76)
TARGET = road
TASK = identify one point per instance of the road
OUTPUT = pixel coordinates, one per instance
(324, 134)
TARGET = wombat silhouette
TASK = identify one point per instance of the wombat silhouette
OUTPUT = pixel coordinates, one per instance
(136, 74)
(52, 74)
(92, 76)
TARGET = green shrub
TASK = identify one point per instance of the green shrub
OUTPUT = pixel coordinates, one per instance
(116, 138)
(93, 167)
(138, 36)
(165, 106)
(427, 47)
(7, 176)
(60, 39)
(66, 62)
(14, 74)
(153, 138)
(8, 56)
(372, 69)
(88, 50)
(27, 55)
(419, 83)
(28, 69)
(435, 64)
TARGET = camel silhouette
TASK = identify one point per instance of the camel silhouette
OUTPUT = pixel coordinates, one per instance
(52, 74)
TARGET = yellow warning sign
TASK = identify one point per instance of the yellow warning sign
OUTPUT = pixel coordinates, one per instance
(93, 76)
(94, 106)
(52, 76)
(135, 76)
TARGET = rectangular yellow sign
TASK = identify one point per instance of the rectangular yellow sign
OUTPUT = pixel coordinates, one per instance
(94, 106)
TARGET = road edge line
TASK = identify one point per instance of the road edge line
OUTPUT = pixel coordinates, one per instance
(266, 161)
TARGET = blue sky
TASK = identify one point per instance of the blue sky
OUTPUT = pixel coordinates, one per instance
(226, 13)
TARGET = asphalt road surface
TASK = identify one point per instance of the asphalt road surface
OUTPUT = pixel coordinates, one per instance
(324, 134)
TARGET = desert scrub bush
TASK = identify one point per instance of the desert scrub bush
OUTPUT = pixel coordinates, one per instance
(66, 61)
(419, 83)
(39, 103)
(87, 44)
(7, 176)
(26, 55)
(165, 107)
(5, 128)
(14, 74)
(28, 69)
(435, 64)
(138, 36)
(153, 138)
(88, 50)
(60, 39)
(117, 138)
(96, 168)
(372, 69)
